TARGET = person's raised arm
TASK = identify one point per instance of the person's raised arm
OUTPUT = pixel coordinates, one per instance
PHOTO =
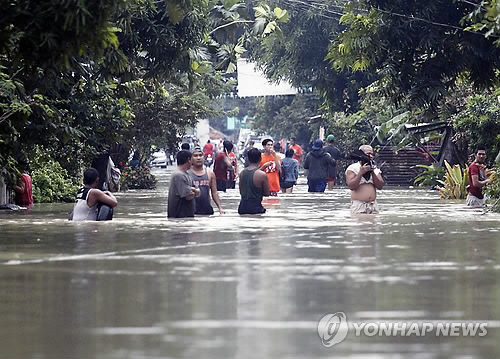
(352, 180)
(104, 197)
(378, 181)
(265, 165)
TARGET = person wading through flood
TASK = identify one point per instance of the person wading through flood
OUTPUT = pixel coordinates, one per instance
(270, 163)
(204, 179)
(317, 163)
(297, 150)
(254, 185)
(231, 175)
(223, 165)
(181, 190)
(208, 153)
(336, 155)
(89, 196)
(477, 180)
(290, 166)
(363, 179)
(24, 191)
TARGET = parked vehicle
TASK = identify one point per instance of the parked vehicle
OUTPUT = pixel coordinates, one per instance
(159, 160)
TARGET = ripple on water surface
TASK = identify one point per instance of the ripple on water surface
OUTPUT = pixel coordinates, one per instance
(247, 286)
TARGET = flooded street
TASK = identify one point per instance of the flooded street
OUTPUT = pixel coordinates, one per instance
(231, 286)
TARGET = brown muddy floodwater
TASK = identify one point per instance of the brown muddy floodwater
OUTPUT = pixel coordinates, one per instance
(142, 286)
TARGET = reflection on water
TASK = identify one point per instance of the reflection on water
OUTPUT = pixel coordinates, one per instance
(235, 286)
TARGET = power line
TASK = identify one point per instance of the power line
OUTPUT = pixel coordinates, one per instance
(316, 6)
(305, 5)
(298, 7)
(470, 3)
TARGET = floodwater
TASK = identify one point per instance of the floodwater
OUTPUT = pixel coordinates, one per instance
(231, 286)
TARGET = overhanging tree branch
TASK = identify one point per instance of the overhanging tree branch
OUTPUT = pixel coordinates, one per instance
(232, 23)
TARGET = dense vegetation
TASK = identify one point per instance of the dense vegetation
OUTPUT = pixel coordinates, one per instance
(81, 77)
(378, 65)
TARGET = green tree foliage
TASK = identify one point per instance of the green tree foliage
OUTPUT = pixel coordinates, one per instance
(163, 112)
(418, 48)
(493, 190)
(51, 182)
(285, 116)
(478, 124)
(349, 131)
(79, 77)
(48, 33)
(485, 18)
(430, 177)
(421, 62)
(299, 56)
(51, 63)
(378, 121)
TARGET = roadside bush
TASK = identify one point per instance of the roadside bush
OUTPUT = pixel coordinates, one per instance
(455, 182)
(139, 177)
(430, 176)
(493, 190)
(51, 182)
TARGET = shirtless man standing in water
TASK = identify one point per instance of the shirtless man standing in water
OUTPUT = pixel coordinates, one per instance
(363, 180)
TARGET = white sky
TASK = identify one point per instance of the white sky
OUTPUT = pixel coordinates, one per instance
(252, 82)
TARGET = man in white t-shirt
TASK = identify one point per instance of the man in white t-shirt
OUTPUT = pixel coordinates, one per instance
(363, 179)
(89, 197)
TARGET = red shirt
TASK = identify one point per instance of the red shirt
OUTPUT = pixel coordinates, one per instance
(208, 149)
(220, 168)
(234, 161)
(479, 170)
(232, 158)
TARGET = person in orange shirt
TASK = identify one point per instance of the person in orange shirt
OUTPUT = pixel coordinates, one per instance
(298, 150)
(270, 163)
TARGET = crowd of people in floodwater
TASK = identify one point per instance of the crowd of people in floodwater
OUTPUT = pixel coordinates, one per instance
(266, 173)
(194, 185)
